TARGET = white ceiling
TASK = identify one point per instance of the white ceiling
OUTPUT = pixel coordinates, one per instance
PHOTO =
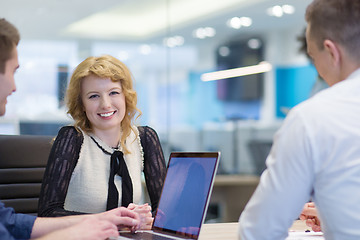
(52, 19)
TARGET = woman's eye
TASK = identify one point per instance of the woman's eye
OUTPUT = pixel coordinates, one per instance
(93, 96)
(114, 93)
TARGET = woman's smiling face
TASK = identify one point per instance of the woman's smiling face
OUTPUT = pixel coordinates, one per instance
(104, 103)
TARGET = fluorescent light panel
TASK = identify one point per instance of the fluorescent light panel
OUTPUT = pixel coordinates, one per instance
(237, 72)
(141, 19)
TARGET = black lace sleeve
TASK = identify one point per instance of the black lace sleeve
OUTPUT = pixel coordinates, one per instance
(61, 163)
(154, 164)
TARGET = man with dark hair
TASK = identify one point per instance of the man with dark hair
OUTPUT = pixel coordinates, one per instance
(9, 36)
(319, 83)
(22, 226)
(9, 39)
(316, 152)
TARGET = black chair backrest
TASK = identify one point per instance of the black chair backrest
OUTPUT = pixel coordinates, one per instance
(259, 150)
(23, 160)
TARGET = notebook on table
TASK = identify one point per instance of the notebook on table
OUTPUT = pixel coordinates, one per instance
(185, 197)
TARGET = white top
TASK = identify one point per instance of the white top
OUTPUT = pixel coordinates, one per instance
(88, 188)
(316, 153)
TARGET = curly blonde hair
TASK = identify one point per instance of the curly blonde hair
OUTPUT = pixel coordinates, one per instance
(103, 67)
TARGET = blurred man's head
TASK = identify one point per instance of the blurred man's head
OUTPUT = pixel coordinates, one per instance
(333, 32)
(9, 39)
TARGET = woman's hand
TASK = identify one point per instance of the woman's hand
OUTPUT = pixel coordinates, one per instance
(121, 217)
(145, 215)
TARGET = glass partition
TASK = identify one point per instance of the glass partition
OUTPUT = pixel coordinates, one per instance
(168, 46)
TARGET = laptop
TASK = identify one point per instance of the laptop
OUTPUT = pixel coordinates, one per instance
(184, 198)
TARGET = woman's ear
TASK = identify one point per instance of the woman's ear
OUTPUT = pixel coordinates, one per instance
(333, 50)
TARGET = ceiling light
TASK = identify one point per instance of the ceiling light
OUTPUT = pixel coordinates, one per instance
(206, 32)
(275, 11)
(147, 18)
(237, 72)
(224, 51)
(234, 23)
(254, 43)
(279, 11)
(238, 22)
(288, 9)
(175, 41)
(210, 32)
(246, 21)
(145, 49)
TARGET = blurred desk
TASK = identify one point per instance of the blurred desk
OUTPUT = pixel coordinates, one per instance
(217, 231)
(232, 192)
(229, 231)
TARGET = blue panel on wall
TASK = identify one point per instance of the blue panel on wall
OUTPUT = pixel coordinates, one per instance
(202, 102)
(293, 85)
(192, 102)
(206, 105)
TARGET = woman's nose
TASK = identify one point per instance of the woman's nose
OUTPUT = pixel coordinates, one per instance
(105, 102)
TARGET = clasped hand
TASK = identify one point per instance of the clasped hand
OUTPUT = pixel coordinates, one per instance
(309, 213)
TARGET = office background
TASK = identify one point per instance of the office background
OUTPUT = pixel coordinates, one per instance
(168, 45)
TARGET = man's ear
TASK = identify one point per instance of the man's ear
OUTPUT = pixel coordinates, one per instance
(333, 51)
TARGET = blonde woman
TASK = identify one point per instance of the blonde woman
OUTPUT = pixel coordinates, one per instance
(96, 165)
(22, 226)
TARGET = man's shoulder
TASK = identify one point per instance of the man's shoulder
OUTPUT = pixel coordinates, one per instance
(320, 101)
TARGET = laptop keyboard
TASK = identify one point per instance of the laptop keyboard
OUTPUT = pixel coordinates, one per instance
(145, 236)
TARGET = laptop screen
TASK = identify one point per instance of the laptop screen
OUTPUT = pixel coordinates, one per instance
(185, 193)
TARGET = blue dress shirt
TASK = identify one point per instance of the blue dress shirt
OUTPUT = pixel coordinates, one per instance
(15, 225)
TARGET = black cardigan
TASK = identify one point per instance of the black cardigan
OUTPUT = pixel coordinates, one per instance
(63, 159)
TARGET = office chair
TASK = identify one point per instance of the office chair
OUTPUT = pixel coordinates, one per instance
(23, 160)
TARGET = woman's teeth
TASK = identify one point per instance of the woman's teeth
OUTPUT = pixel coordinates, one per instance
(107, 114)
